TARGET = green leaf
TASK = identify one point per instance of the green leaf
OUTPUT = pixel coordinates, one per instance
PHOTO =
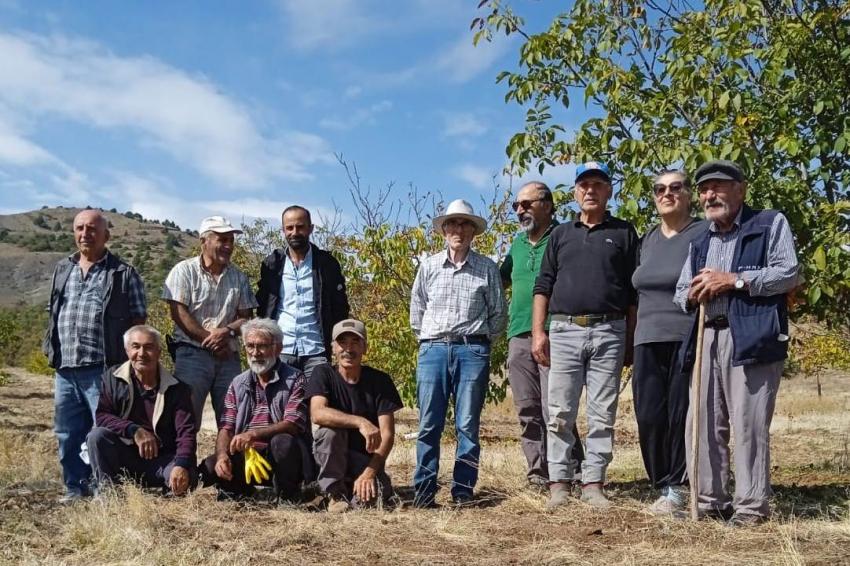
(723, 101)
(820, 258)
(840, 144)
(814, 295)
(818, 107)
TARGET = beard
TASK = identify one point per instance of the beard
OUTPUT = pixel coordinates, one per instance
(298, 243)
(527, 223)
(261, 366)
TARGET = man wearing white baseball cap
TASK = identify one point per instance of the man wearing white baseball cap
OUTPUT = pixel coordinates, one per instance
(209, 301)
(457, 306)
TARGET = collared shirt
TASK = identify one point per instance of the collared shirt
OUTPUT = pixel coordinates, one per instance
(298, 317)
(212, 301)
(261, 418)
(521, 267)
(462, 300)
(588, 270)
(779, 276)
(80, 322)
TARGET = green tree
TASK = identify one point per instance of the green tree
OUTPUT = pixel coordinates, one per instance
(763, 83)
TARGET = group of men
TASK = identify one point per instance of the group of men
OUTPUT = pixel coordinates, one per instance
(292, 417)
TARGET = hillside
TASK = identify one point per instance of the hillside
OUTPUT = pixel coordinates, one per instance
(32, 242)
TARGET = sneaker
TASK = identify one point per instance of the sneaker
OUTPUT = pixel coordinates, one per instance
(664, 506)
(559, 495)
(463, 500)
(338, 504)
(743, 520)
(593, 495)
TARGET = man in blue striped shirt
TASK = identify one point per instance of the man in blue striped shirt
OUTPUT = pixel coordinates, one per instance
(742, 269)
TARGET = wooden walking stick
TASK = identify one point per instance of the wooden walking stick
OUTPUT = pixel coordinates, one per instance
(696, 384)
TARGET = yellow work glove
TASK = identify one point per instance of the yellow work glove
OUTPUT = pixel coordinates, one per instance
(256, 467)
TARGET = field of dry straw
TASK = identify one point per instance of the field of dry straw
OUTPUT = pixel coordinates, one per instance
(811, 525)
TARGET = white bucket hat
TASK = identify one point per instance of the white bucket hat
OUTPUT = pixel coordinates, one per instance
(460, 209)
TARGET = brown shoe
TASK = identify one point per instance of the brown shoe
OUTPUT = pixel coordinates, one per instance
(338, 505)
(559, 495)
(593, 495)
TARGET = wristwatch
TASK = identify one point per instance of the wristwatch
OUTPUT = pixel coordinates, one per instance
(233, 332)
(739, 283)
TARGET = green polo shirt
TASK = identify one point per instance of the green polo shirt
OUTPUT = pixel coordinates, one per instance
(520, 269)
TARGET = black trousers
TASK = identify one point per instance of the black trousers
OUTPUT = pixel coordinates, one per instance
(283, 453)
(660, 391)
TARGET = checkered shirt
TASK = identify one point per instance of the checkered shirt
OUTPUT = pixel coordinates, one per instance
(460, 300)
(80, 323)
(212, 301)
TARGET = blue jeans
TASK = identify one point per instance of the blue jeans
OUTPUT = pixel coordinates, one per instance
(75, 401)
(206, 374)
(304, 363)
(446, 370)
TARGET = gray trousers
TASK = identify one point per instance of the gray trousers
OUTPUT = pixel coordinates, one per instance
(206, 374)
(339, 466)
(744, 397)
(582, 357)
(530, 389)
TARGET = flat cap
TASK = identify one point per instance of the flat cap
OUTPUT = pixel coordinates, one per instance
(719, 169)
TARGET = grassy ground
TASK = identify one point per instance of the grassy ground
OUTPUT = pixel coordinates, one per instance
(811, 525)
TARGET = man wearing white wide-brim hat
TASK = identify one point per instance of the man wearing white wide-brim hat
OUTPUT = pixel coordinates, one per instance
(457, 307)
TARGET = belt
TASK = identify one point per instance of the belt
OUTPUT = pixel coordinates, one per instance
(460, 339)
(587, 319)
(719, 322)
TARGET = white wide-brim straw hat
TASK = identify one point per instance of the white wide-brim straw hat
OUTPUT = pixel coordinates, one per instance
(460, 209)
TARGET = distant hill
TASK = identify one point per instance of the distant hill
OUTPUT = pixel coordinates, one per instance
(32, 242)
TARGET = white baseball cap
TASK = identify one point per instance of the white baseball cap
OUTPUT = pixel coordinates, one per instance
(218, 224)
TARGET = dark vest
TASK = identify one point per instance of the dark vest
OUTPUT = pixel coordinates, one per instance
(116, 311)
(756, 323)
(277, 395)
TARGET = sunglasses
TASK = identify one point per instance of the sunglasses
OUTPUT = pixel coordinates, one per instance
(674, 188)
(525, 204)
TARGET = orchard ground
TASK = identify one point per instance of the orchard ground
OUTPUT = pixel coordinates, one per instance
(811, 524)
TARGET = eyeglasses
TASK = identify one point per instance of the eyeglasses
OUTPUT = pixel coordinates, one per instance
(258, 346)
(525, 204)
(674, 188)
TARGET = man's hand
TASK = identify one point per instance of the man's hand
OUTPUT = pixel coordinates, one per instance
(223, 468)
(372, 434)
(540, 348)
(365, 486)
(179, 480)
(242, 441)
(148, 443)
(218, 339)
(709, 283)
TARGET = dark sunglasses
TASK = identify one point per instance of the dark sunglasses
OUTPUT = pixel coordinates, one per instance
(675, 188)
(525, 204)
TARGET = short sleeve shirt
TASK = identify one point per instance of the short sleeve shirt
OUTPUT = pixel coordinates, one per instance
(375, 394)
(212, 301)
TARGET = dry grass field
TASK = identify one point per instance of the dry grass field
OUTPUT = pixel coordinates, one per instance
(811, 525)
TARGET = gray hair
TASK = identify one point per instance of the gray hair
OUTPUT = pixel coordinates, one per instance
(686, 181)
(265, 326)
(147, 329)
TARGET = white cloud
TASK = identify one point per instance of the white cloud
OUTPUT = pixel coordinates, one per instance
(328, 24)
(183, 115)
(362, 116)
(477, 176)
(462, 61)
(462, 125)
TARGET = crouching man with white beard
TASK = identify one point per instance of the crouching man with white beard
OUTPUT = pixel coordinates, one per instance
(264, 409)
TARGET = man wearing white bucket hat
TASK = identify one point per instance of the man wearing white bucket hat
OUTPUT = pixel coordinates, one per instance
(457, 306)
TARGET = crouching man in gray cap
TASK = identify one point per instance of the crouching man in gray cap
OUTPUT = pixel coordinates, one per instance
(353, 406)
(742, 269)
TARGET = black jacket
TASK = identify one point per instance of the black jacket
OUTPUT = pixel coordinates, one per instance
(328, 289)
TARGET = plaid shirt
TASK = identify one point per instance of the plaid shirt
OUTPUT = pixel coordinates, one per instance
(212, 302)
(80, 322)
(261, 418)
(463, 300)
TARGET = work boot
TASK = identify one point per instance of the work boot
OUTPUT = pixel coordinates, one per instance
(592, 494)
(338, 504)
(559, 495)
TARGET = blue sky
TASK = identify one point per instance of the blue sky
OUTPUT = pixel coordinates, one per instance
(184, 109)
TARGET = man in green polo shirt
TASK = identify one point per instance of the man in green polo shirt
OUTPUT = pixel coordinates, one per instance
(529, 380)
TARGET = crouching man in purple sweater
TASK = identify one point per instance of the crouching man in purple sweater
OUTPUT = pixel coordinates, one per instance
(144, 425)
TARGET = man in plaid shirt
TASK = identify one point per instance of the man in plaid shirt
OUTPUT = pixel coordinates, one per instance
(94, 298)
(457, 306)
(264, 409)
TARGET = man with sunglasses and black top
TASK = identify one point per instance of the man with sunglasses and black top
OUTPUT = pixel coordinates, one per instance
(585, 284)
(529, 380)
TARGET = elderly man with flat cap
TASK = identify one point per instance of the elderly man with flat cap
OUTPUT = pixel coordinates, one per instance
(457, 306)
(209, 300)
(742, 269)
